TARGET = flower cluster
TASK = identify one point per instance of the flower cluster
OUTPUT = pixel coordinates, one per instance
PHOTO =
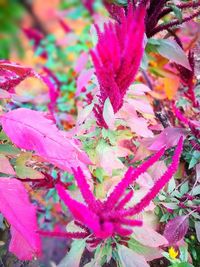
(100, 220)
(117, 57)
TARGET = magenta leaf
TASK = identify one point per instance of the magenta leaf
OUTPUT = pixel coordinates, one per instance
(21, 215)
(169, 137)
(31, 130)
(176, 229)
(88, 4)
(12, 74)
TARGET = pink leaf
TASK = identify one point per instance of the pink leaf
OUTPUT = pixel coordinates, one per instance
(12, 74)
(168, 137)
(5, 166)
(129, 258)
(141, 105)
(107, 158)
(31, 130)
(4, 94)
(21, 214)
(81, 62)
(83, 79)
(176, 229)
(149, 237)
(137, 124)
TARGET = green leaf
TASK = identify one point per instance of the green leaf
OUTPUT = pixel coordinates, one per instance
(165, 217)
(171, 185)
(99, 174)
(184, 188)
(72, 259)
(177, 12)
(195, 159)
(183, 254)
(23, 171)
(9, 150)
(111, 135)
(146, 251)
(196, 190)
(145, 62)
(182, 264)
(3, 136)
(172, 51)
(2, 225)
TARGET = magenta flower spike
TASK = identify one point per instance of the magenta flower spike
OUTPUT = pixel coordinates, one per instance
(85, 190)
(130, 176)
(101, 220)
(160, 183)
(117, 57)
(194, 129)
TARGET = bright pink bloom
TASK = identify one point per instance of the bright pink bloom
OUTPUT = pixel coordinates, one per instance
(117, 57)
(160, 183)
(101, 220)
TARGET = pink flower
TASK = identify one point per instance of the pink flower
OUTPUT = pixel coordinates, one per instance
(117, 57)
(100, 220)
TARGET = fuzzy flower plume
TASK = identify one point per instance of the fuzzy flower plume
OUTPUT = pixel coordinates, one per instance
(117, 57)
(100, 220)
